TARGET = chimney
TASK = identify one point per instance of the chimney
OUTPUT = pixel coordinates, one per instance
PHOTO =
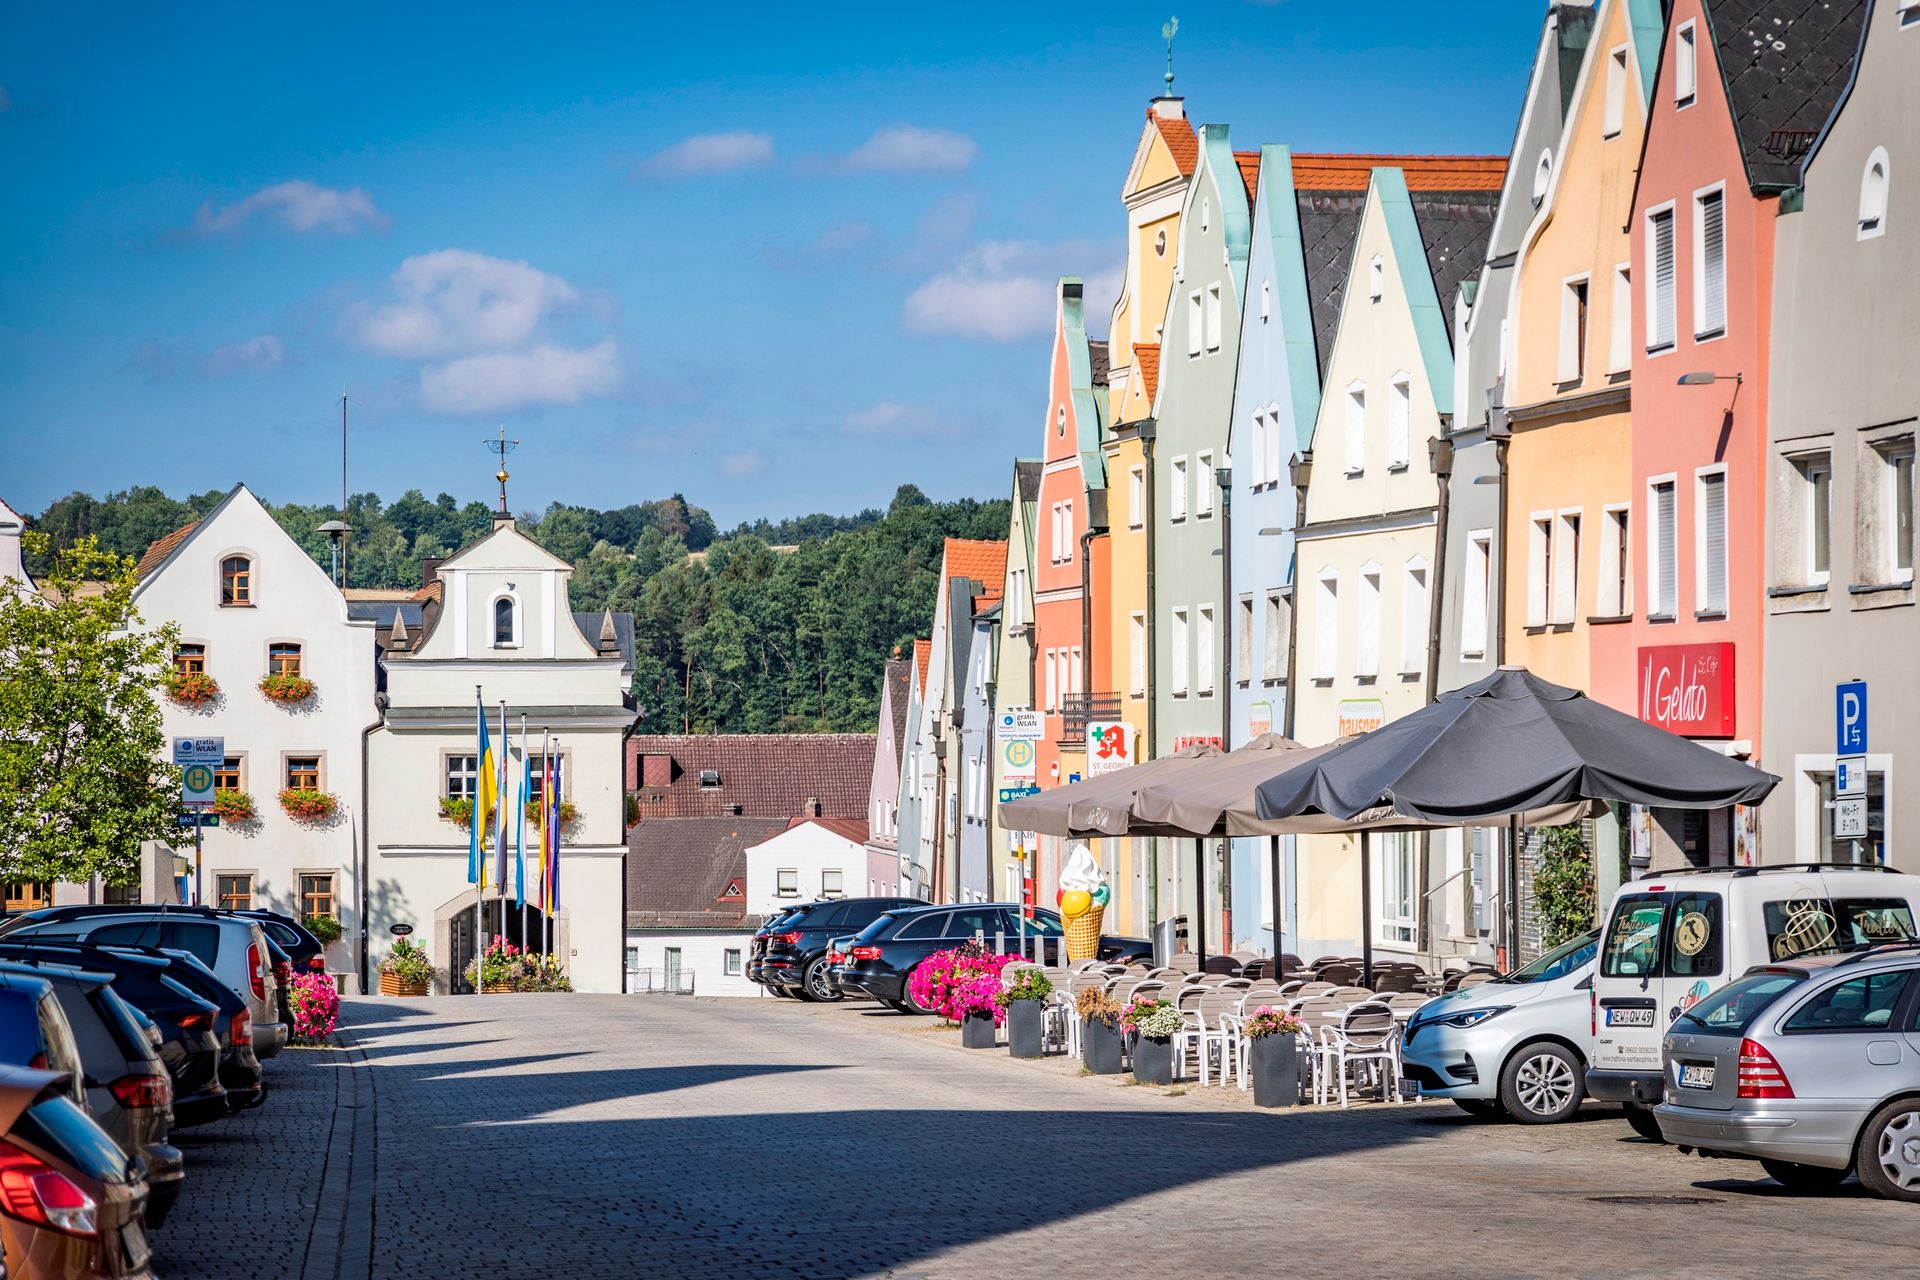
(1170, 108)
(398, 639)
(430, 569)
(609, 638)
(813, 806)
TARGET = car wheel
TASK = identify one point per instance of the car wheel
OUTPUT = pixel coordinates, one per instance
(818, 983)
(1888, 1157)
(1804, 1177)
(1479, 1108)
(907, 1002)
(1541, 1083)
(1644, 1122)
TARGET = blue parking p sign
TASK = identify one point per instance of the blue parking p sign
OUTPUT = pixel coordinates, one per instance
(1850, 718)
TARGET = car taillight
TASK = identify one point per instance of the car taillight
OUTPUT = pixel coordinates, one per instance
(34, 1191)
(196, 1021)
(242, 1031)
(142, 1091)
(865, 953)
(39, 1062)
(283, 973)
(317, 963)
(791, 939)
(1760, 1075)
(836, 957)
(256, 971)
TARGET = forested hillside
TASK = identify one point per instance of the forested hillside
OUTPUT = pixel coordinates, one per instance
(733, 635)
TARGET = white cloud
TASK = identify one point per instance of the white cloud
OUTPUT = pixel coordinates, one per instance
(262, 352)
(710, 153)
(893, 420)
(300, 206)
(162, 361)
(905, 148)
(741, 464)
(502, 381)
(1004, 291)
(455, 300)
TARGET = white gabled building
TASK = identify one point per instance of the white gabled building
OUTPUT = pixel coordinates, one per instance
(497, 618)
(250, 602)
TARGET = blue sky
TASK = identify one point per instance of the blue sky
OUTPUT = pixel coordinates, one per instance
(780, 258)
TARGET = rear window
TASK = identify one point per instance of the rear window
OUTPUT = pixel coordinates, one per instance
(877, 928)
(285, 935)
(861, 914)
(1865, 1003)
(1693, 936)
(197, 936)
(1633, 937)
(1733, 1008)
(1823, 926)
(1662, 935)
(931, 925)
(63, 1130)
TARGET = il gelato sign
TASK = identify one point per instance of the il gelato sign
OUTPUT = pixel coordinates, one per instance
(1688, 689)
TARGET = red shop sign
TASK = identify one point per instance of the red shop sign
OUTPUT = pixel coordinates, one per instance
(1688, 689)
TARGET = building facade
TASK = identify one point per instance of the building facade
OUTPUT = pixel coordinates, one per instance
(883, 786)
(1014, 668)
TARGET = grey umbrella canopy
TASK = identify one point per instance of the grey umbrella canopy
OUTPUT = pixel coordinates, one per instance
(1099, 806)
(1511, 744)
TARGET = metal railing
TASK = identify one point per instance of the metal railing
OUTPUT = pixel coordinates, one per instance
(1078, 710)
(660, 982)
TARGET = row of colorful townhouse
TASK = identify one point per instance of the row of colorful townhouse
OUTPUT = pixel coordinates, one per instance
(1366, 427)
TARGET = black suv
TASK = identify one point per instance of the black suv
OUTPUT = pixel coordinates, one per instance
(772, 925)
(795, 958)
(881, 959)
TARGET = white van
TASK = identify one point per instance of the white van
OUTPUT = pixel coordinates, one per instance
(1673, 936)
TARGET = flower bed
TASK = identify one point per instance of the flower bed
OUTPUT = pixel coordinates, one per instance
(286, 690)
(963, 981)
(406, 970)
(191, 688)
(307, 805)
(316, 1007)
(233, 806)
(511, 968)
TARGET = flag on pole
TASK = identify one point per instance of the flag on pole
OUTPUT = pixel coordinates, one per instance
(551, 816)
(546, 790)
(482, 803)
(501, 811)
(520, 822)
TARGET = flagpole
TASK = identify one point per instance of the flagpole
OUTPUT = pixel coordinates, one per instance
(546, 843)
(520, 833)
(479, 834)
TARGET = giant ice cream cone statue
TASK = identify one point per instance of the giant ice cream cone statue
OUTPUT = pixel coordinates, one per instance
(1083, 904)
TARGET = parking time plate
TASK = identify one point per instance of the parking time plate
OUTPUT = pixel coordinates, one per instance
(1629, 1017)
(1696, 1075)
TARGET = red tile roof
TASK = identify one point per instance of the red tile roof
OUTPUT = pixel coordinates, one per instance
(845, 828)
(1423, 173)
(1182, 143)
(1146, 358)
(982, 560)
(769, 775)
(922, 654)
(1249, 162)
(157, 553)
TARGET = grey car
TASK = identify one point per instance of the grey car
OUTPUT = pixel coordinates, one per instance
(1810, 1066)
(233, 948)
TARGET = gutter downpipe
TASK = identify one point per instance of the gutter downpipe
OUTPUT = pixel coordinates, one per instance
(365, 859)
(1147, 430)
(1502, 432)
(1440, 459)
(1229, 622)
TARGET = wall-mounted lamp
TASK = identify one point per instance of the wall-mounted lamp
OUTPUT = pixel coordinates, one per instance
(1301, 470)
(1440, 455)
(1708, 379)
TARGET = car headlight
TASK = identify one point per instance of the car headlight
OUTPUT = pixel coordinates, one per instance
(1466, 1018)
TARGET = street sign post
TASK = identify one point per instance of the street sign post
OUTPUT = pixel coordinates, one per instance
(1850, 718)
(1018, 723)
(196, 785)
(1017, 762)
(197, 759)
(1850, 776)
(1850, 764)
(1850, 818)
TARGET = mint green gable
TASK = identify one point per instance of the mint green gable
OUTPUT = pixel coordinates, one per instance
(1281, 224)
(1088, 409)
(1389, 189)
(1648, 27)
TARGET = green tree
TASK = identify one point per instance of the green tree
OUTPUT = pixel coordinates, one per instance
(1563, 885)
(81, 782)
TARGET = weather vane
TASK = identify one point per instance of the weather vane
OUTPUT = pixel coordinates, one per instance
(502, 447)
(1167, 31)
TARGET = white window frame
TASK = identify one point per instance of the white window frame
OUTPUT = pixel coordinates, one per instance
(1355, 407)
(1206, 641)
(1473, 615)
(1274, 622)
(1276, 451)
(519, 619)
(1658, 588)
(1369, 610)
(1702, 606)
(1399, 421)
(1399, 889)
(1242, 673)
(1887, 450)
(1326, 624)
(1872, 216)
(1066, 531)
(1564, 605)
(833, 882)
(1137, 496)
(1203, 485)
(1573, 342)
(786, 882)
(1177, 491)
(1654, 339)
(1076, 672)
(1213, 317)
(1416, 585)
(1542, 175)
(1620, 341)
(1804, 465)
(1616, 553)
(1702, 330)
(1686, 66)
(1909, 11)
(1181, 656)
(1613, 119)
(1196, 324)
(1137, 654)
(1376, 278)
(1539, 567)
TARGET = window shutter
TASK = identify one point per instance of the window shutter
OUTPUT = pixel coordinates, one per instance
(1204, 651)
(1213, 317)
(1473, 607)
(1666, 565)
(1620, 349)
(1326, 629)
(1539, 547)
(1660, 317)
(1356, 429)
(1399, 422)
(1713, 263)
(1274, 473)
(1137, 654)
(1195, 321)
(1177, 499)
(1181, 655)
(1413, 618)
(1366, 652)
(1566, 569)
(1713, 543)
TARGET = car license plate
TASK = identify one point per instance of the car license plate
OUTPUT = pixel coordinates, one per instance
(1696, 1075)
(133, 1239)
(1629, 1017)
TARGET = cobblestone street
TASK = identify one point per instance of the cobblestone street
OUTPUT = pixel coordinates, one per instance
(585, 1136)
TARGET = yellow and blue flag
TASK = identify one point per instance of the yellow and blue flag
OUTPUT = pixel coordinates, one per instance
(483, 801)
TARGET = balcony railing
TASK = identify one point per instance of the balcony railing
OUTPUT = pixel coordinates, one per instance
(1078, 710)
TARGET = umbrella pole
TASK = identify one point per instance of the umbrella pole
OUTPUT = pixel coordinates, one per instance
(1513, 892)
(1200, 901)
(1273, 847)
(1366, 911)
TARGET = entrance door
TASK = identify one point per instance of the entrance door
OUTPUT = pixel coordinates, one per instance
(673, 968)
(461, 949)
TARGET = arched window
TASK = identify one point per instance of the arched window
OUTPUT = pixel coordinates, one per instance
(236, 581)
(283, 659)
(1542, 174)
(506, 631)
(1873, 195)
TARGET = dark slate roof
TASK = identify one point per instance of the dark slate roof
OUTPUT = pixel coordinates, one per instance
(382, 611)
(769, 775)
(1097, 354)
(589, 624)
(677, 868)
(1329, 220)
(1574, 33)
(1454, 227)
(899, 672)
(1027, 473)
(1785, 64)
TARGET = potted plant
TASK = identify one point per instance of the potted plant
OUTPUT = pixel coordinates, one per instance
(1152, 1024)
(191, 688)
(508, 968)
(286, 690)
(567, 813)
(406, 971)
(304, 804)
(1100, 1032)
(960, 985)
(233, 806)
(1274, 1056)
(458, 810)
(325, 928)
(1024, 1002)
(316, 1007)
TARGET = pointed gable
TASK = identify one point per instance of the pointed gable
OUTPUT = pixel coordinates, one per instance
(1146, 361)
(1785, 64)
(1182, 144)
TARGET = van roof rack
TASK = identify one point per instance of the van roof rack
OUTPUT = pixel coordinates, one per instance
(1770, 867)
(1877, 949)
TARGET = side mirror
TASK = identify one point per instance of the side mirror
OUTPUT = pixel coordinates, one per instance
(1585, 984)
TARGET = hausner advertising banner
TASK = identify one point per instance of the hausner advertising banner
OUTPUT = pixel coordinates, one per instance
(1688, 689)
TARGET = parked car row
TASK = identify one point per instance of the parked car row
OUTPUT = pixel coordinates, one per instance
(119, 1026)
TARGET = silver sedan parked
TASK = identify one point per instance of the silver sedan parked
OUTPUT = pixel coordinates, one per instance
(1810, 1066)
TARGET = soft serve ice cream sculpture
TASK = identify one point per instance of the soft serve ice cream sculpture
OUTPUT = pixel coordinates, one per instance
(1083, 904)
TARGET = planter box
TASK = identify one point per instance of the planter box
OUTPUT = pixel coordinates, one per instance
(978, 1032)
(1275, 1063)
(1026, 1028)
(1153, 1060)
(1100, 1045)
(392, 986)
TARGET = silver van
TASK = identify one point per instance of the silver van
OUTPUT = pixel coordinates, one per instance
(233, 948)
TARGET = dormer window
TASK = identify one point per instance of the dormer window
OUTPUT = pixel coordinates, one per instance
(236, 582)
(1542, 175)
(1873, 195)
(506, 622)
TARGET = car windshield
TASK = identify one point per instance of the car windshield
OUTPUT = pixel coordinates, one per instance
(1733, 1008)
(1568, 957)
(1633, 937)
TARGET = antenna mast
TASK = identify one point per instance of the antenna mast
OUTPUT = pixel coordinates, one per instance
(343, 487)
(502, 447)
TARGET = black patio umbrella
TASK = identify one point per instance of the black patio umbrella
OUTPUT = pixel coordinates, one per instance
(1506, 745)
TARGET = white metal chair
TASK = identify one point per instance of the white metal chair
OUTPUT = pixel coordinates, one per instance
(1366, 1034)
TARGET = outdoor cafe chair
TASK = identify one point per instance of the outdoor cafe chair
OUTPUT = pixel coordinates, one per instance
(1220, 1033)
(1222, 964)
(1316, 1017)
(1366, 1035)
(1339, 973)
(1288, 960)
(1317, 962)
(1184, 961)
(1392, 980)
(1473, 978)
(1405, 1004)
(1291, 986)
(1256, 968)
(1312, 990)
(1350, 994)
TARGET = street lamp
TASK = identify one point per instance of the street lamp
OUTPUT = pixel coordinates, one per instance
(335, 531)
(1708, 379)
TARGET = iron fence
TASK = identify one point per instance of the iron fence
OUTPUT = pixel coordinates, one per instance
(660, 982)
